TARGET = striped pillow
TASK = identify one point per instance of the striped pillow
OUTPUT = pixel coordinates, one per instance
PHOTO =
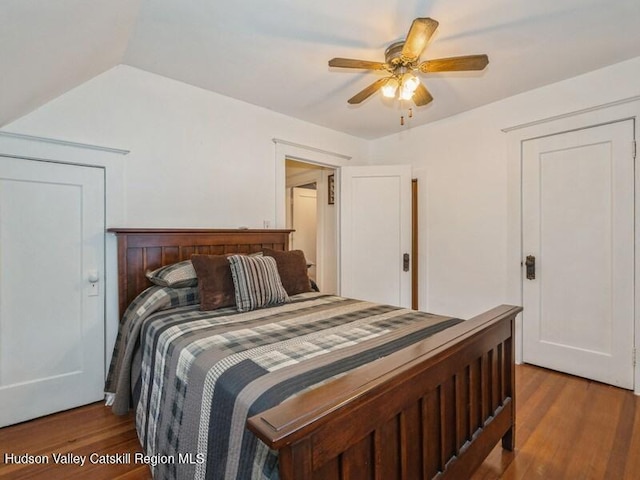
(176, 275)
(257, 282)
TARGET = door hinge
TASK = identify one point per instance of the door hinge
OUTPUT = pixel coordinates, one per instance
(634, 356)
(634, 149)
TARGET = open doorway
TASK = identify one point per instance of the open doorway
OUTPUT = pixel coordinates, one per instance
(311, 210)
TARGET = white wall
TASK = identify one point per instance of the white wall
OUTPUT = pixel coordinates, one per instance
(198, 159)
(463, 170)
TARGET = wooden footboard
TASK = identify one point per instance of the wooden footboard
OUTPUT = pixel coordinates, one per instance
(435, 409)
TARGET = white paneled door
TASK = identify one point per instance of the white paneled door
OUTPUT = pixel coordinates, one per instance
(304, 207)
(578, 223)
(51, 287)
(375, 233)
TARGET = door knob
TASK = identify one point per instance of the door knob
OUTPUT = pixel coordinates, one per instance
(92, 276)
(530, 263)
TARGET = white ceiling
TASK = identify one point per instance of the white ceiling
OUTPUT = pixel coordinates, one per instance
(274, 54)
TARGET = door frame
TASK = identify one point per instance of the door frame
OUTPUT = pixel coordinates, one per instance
(112, 160)
(286, 150)
(599, 115)
(293, 151)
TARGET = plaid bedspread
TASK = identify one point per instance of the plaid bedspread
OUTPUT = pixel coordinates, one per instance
(200, 375)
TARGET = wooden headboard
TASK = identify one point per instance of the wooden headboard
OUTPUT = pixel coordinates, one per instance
(141, 250)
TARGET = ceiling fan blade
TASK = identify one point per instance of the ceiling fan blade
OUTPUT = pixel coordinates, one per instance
(353, 63)
(455, 64)
(419, 34)
(421, 96)
(367, 92)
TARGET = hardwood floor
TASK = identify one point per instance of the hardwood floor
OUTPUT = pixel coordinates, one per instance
(567, 428)
(81, 431)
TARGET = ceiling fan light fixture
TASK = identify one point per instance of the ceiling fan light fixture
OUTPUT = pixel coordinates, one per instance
(406, 94)
(390, 87)
(410, 82)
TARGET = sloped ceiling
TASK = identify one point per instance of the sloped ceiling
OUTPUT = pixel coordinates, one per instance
(50, 46)
(274, 54)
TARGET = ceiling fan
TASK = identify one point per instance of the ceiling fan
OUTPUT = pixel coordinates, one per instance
(402, 60)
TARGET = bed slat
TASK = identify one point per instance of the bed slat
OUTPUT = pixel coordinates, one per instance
(386, 460)
(357, 460)
(431, 431)
(411, 440)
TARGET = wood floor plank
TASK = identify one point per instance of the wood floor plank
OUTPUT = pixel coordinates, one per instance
(601, 410)
(546, 442)
(540, 390)
(633, 457)
(566, 428)
(621, 440)
(81, 431)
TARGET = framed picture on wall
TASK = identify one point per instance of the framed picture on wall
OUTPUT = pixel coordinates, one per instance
(331, 197)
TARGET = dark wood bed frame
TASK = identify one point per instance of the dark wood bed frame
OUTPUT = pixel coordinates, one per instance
(433, 410)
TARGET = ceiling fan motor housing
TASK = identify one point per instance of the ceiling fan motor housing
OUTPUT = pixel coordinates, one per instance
(393, 54)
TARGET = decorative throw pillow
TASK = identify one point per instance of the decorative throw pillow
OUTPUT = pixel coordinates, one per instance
(177, 275)
(292, 267)
(257, 282)
(215, 283)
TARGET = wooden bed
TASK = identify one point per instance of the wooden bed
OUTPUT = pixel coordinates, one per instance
(432, 410)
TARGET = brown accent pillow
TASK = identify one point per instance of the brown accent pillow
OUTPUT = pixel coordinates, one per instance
(215, 283)
(292, 267)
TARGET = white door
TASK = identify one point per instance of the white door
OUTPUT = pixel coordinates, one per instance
(51, 287)
(304, 214)
(375, 233)
(578, 223)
